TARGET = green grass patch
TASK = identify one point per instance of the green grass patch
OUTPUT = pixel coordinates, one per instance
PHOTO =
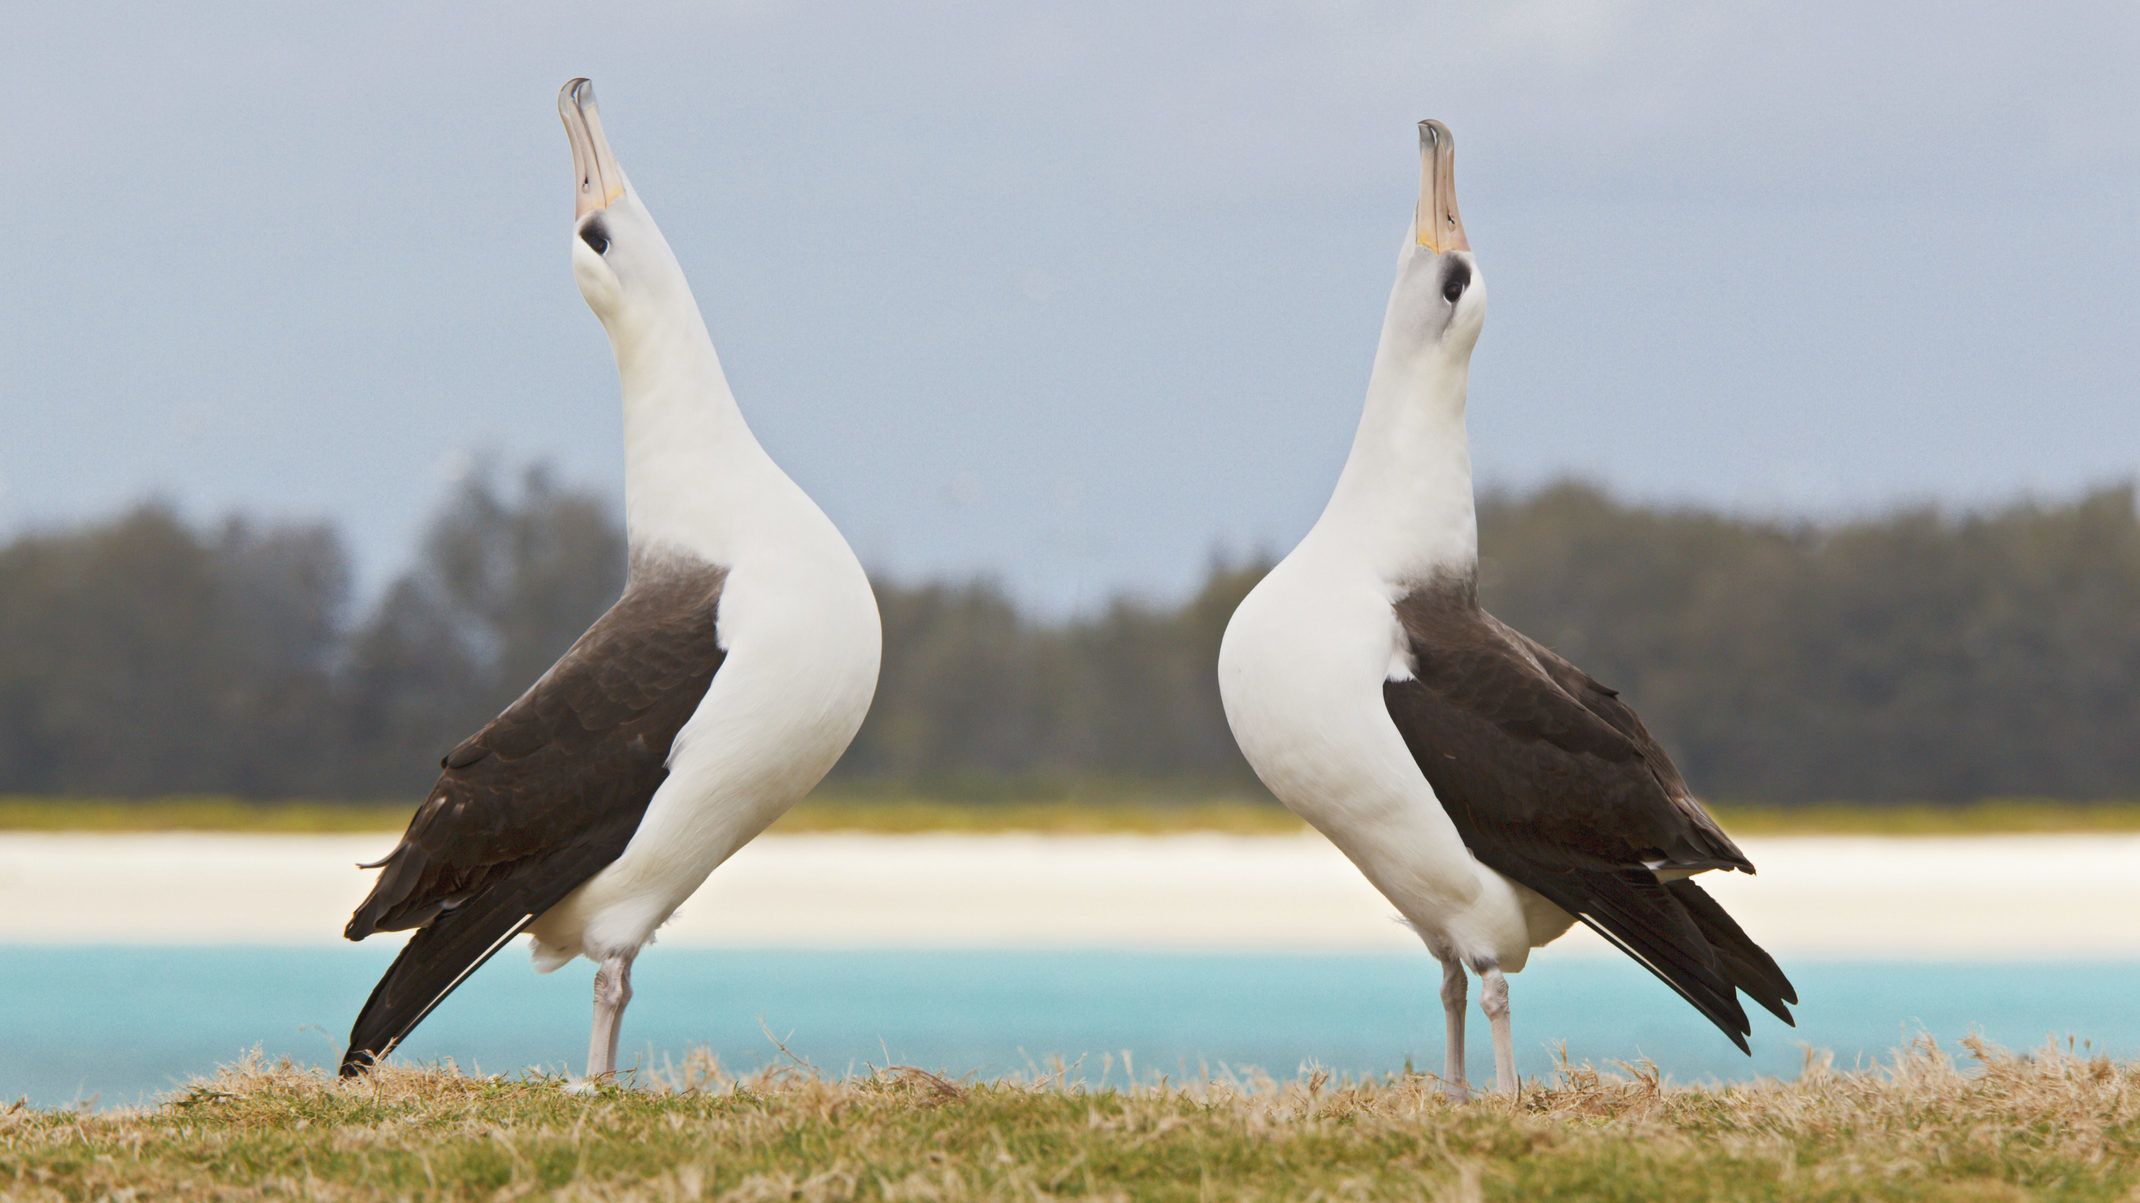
(121, 815)
(1993, 816)
(1995, 1126)
(1130, 810)
(828, 811)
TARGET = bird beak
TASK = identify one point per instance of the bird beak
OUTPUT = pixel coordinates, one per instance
(1435, 221)
(596, 178)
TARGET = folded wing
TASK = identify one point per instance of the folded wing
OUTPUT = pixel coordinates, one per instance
(1553, 782)
(539, 800)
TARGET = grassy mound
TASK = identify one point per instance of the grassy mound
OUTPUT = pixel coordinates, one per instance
(1995, 1126)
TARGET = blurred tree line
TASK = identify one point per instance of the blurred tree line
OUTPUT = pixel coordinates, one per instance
(1918, 655)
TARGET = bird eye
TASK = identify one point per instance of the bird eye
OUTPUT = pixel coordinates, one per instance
(595, 234)
(1457, 279)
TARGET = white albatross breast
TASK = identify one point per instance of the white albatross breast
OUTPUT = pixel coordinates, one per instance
(1492, 791)
(721, 687)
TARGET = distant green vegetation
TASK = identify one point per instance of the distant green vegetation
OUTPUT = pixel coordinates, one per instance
(1919, 654)
(2052, 1125)
(1125, 812)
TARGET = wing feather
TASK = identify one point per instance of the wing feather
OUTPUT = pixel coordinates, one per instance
(1554, 782)
(539, 800)
(573, 762)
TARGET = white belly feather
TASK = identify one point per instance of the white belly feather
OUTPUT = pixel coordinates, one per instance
(800, 671)
(1301, 671)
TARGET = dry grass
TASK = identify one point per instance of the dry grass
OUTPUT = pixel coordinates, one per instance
(2052, 1125)
(1115, 809)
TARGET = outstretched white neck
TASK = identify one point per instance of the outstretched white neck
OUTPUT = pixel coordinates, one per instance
(1404, 501)
(693, 472)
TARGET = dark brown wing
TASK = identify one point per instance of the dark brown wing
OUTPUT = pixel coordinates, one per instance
(542, 798)
(1604, 701)
(1552, 781)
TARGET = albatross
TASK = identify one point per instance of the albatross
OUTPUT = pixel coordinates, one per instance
(1493, 792)
(717, 691)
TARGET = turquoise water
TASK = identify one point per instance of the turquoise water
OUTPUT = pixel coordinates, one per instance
(112, 1026)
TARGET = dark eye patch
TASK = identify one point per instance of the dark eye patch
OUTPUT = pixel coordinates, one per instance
(595, 234)
(1455, 278)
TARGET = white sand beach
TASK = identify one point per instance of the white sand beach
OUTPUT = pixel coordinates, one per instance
(1959, 898)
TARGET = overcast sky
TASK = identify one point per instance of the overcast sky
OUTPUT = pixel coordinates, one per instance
(1071, 294)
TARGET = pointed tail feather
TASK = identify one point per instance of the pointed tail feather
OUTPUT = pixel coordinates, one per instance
(1633, 911)
(454, 938)
(436, 960)
(1748, 966)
